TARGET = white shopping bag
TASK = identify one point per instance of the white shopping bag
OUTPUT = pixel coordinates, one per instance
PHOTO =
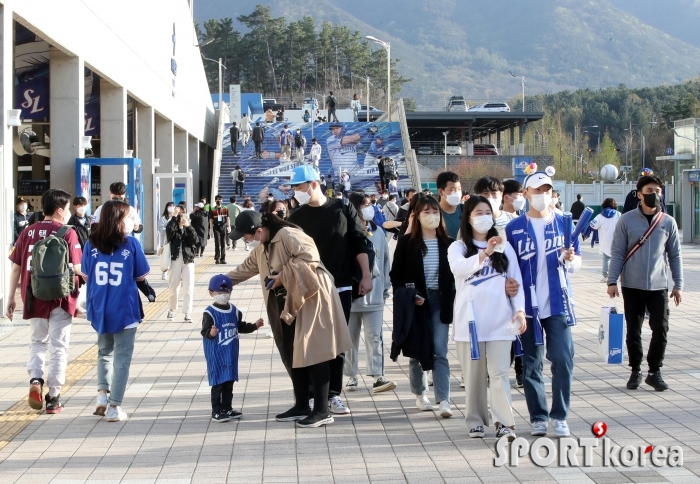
(611, 335)
(82, 300)
(165, 258)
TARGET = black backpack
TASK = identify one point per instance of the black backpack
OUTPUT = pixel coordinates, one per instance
(299, 141)
(241, 175)
(331, 102)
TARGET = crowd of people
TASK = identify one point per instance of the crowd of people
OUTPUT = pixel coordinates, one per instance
(487, 268)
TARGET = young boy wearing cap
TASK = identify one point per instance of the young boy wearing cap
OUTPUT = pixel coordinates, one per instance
(538, 240)
(222, 322)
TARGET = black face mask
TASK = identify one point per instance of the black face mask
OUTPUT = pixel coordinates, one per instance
(281, 213)
(652, 200)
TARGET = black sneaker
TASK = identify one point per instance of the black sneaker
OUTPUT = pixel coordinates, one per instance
(216, 262)
(383, 385)
(220, 417)
(503, 431)
(519, 379)
(292, 415)
(53, 405)
(234, 414)
(36, 389)
(316, 420)
(477, 432)
(635, 380)
(653, 379)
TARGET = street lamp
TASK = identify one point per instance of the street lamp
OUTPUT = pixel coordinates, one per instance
(445, 133)
(387, 46)
(598, 147)
(220, 86)
(641, 141)
(522, 81)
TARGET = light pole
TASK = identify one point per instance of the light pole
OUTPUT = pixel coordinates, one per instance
(522, 81)
(387, 46)
(598, 146)
(444, 151)
(641, 141)
(220, 85)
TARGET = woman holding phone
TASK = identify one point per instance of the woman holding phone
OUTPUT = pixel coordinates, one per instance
(481, 262)
(420, 260)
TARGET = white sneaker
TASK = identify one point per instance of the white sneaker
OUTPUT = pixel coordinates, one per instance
(188, 318)
(445, 410)
(171, 315)
(539, 428)
(351, 385)
(430, 378)
(422, 403)
(604, 279)
(269, 334)
(461, 382)
(101, 405)
(164, 276)
(115, 414)
(561, 428)
(336, 405)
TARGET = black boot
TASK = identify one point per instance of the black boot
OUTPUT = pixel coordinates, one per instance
(656, 381)
(635, 380)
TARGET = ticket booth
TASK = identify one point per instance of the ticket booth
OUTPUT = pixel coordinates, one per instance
(691, 200)
(134, 181)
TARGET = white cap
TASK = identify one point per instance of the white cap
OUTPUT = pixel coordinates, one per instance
(538, 179)
(200, 205)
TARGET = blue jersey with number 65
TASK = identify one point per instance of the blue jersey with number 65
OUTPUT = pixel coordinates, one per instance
(112, 295)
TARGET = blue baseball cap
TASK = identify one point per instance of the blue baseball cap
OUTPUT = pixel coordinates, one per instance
(220, 283)
(303, 174)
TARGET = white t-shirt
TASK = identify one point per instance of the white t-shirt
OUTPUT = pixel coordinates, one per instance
(542, 285)
(315, 151)
(133, 214)
(606, 230)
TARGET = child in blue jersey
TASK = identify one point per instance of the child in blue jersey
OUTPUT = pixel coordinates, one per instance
(222, 322)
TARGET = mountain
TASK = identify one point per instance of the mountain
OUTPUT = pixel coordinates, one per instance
(467, 47)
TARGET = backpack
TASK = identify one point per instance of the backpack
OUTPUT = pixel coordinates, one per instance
(331, 102)
(241, 175)
(52, 273)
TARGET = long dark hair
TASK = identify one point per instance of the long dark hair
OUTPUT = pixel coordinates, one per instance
(498, 260)
(411, 207)
(165, 210)
(271, 208)
(415, 242)
(274, 223)
(109, 233)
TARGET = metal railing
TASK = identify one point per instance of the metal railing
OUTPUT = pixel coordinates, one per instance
(343, 97)
(218, 151)
(398, 114)
(441, 103)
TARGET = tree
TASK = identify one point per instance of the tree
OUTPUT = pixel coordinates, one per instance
(608, 154)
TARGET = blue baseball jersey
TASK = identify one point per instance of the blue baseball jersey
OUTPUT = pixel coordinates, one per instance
(112, 295)
(221, 352)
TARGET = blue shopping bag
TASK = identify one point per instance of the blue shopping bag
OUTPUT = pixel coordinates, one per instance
(611, 335)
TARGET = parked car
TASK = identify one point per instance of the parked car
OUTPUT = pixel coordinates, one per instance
(485, 150)
(492, 107)
(425, 150)
(374, 113)
(453, 149)
(457, 103)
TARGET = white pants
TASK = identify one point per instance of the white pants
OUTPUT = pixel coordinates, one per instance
(494, 364)
(245, 136)
(299, 153)
(52, 334)
(181, 273)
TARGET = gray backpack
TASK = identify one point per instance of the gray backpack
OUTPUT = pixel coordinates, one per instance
(52, 273)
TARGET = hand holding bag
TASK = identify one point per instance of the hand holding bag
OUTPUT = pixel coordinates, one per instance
(165, 258)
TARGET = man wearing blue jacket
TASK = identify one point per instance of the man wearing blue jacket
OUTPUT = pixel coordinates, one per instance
(538, 240)
(643, 270)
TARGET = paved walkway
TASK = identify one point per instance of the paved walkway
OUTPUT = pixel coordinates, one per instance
(169, 437)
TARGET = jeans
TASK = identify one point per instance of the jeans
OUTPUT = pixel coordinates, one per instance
(606, 264)
(374, 343)
(52, 334)
(221, 397)
(441, 369)
(560, 353)
(238, 188)
(637, 301)
(114, 353)
(219, 233)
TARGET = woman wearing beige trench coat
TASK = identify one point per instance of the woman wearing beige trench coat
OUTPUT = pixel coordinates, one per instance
(303, 306)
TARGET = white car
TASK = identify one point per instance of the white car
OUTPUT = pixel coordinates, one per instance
(496, 107)
(453, 149)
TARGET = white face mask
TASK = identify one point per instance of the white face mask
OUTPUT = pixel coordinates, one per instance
(495, 204)
(23, 207)
(430, 221)
(519, 203)
(482, 223)
(81, 210)
(253, 243)
(302, 197)
(222, 298)
(454, 198)
(66, 216)
(128, 226)
(541, 201)
(367, 213)
(171, 209)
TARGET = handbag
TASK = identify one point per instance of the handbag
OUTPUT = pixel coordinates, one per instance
(611, 335)
(165, 258)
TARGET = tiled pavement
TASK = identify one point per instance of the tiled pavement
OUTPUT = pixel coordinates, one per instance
(169, 437)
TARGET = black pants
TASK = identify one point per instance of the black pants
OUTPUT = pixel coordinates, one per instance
(238, 188)
(517, 359)
(637, 302)
(234, 146)
(219, 243)
(221, 397)
(258, 148)
(382, 178)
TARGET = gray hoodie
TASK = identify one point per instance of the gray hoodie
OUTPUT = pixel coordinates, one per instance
(374, 301)
(647, 269)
